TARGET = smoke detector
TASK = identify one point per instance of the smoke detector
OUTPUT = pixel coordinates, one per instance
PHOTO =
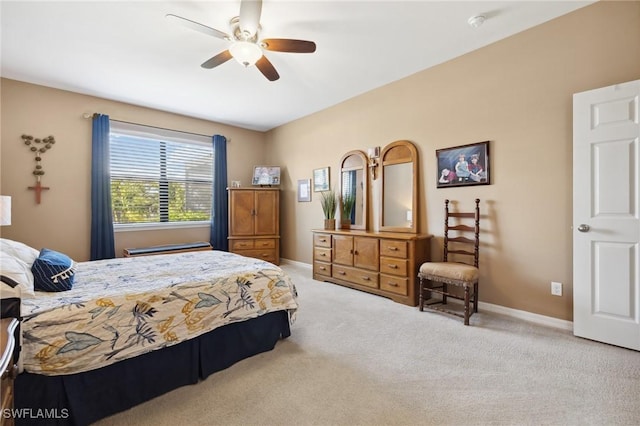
(476, 21)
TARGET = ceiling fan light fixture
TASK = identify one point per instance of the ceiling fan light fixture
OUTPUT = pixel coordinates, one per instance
(246, 53)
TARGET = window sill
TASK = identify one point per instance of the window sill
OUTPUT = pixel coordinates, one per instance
(129, 227)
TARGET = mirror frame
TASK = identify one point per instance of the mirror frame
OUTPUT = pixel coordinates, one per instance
(365, 186)
(400, 152)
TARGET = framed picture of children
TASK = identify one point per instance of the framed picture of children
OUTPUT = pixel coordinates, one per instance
(463, 165)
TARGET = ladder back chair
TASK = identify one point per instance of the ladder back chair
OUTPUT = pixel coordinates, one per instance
(435, 277)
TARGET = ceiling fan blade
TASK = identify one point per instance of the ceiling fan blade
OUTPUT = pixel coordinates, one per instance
(197, 26)
(267, 69)
(288, 45)
(219, 59)
(250, 11)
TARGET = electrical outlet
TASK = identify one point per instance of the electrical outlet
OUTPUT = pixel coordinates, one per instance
(556, 288)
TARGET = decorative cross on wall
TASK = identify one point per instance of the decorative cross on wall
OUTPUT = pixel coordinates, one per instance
(38, 147)
(38, 188)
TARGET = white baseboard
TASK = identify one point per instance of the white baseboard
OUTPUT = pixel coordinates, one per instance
(490, 307)
(527, 316)
(296, 263)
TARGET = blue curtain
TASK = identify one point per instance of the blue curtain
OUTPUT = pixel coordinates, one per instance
(219, 208)
(102, 240)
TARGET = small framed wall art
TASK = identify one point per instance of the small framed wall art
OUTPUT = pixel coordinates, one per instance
(463, 165)
(321, 179)
(304, 190)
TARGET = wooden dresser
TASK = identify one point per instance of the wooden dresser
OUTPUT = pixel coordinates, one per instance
(254, 223)
(382, 263)
(8, 368)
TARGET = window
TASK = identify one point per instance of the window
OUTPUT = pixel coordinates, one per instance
(159, 176)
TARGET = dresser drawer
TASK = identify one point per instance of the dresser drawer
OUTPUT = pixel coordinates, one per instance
(393, 248)
(393, 284)
(263, 243)
(265, 254)
(393, 266)
(241, 244)
(322, 268)
(322, 240)
(357, 276)
(322, 254)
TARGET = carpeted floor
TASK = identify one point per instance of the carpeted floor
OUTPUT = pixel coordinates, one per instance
(359, 359)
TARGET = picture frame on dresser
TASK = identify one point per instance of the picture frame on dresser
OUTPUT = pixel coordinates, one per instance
(266, 175)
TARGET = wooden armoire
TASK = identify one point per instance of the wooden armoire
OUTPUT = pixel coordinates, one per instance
(254, 223)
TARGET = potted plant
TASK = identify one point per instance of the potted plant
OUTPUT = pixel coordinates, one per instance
(329, 202)
(347, 202)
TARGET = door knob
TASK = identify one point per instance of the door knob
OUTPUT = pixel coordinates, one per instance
(583, 228)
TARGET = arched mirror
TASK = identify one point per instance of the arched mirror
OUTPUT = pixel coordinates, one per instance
(353, 184)
(399, 161)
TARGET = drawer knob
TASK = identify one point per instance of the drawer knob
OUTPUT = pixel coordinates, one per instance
(323, 240)
(392, 284)
(393, 266)
(393, 248)
(366, 278)
(323, 254)
(342, 273)
(322, 268)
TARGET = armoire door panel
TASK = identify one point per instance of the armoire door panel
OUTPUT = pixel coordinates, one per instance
(241, 216)
(266, 208)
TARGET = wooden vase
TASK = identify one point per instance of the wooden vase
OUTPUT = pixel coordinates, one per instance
(330, 224)
(345, 224)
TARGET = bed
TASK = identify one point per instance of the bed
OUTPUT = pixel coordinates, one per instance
(131, 329)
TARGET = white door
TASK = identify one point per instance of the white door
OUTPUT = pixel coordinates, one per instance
(606, 215)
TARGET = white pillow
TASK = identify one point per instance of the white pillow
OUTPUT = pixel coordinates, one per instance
(19, 250)
(19, 272)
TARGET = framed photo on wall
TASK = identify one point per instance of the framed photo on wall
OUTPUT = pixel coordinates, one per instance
(304, 190)
(463, 165)
(321, 179)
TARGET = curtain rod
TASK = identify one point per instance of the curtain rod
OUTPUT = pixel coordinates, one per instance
(89, 115)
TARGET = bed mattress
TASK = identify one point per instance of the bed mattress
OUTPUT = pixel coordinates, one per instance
(121, 308)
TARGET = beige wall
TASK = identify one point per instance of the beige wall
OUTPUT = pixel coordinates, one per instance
(517, 93)
(62, 221)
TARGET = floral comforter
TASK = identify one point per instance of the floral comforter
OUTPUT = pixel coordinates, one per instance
(121, 308)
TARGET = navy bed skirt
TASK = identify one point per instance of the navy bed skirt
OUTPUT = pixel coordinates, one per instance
(83, 398)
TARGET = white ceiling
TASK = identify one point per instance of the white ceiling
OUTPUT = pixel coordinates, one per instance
(128, 51)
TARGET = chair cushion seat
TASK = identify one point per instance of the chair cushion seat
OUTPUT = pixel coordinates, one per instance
(451, 272)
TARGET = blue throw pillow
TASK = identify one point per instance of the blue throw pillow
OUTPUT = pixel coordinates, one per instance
(52, 271)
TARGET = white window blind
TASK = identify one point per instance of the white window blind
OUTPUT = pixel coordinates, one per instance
(159, 176)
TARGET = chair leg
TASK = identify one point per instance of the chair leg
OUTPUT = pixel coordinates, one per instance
(475, 298)
(444, 296)
(466, 305)
(421, 300)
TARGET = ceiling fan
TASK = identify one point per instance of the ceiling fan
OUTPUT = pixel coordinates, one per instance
(246, 46)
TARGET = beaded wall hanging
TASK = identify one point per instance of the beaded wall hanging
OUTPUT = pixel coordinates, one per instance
(38, 147)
